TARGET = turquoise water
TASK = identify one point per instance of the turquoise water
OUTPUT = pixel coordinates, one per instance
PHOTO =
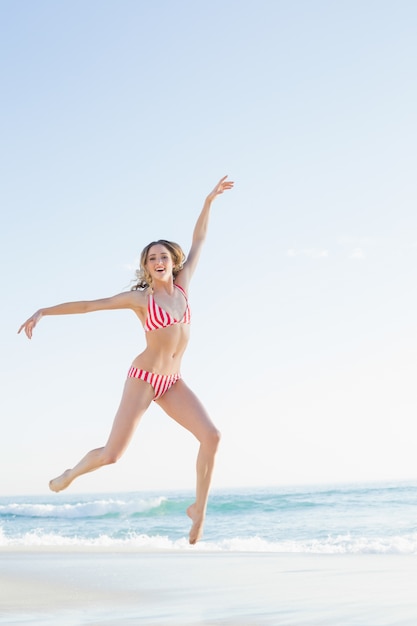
(343, 519)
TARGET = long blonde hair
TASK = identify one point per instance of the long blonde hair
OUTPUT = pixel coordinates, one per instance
(143, 278)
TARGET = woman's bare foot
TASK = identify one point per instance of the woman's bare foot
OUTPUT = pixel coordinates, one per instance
(61, 482)
(196, 531)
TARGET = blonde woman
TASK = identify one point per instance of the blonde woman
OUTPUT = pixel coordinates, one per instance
(160, 301)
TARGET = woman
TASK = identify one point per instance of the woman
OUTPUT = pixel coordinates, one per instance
(160, 302)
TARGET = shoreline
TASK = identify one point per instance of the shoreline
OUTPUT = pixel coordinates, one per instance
(115, 587)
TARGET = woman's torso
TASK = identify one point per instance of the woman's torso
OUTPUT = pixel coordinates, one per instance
(166, 321)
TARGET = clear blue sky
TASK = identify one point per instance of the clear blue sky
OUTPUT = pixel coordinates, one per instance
(117, 117)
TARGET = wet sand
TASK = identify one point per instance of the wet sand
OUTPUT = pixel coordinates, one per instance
(48, 587)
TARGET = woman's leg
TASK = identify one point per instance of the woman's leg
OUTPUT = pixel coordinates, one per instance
(184, 407)
(137, 396)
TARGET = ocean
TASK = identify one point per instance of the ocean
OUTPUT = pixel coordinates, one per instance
(342, 519)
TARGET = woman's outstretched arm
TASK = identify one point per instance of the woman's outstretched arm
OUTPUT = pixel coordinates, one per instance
(200, 229)
(125, 300)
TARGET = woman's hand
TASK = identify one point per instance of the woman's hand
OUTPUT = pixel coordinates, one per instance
(221, 186)
(30, 324)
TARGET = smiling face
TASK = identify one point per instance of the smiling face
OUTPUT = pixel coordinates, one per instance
(157, 252)
(159, 262)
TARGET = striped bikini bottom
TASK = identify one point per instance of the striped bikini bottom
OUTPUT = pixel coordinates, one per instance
(160, 382)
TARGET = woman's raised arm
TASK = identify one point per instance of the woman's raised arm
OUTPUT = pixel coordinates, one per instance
(200, 230)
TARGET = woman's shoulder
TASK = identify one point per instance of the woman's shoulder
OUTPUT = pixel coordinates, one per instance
(140, 296)
(182, 280)
(134, 299)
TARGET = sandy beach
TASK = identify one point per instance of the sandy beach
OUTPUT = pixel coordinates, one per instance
(45, 587)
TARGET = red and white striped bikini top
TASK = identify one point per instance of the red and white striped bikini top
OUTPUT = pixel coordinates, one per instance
(157, 317)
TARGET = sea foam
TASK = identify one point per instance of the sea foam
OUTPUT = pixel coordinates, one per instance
(142, 542)
(96, 508)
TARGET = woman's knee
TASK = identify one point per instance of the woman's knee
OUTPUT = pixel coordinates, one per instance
(109, 457)
(212, 439)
